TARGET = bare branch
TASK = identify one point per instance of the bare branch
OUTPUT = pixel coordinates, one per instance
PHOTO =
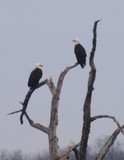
(27, 97)
(61, 78)
(51, 85)
(68, 150)
(87, 103)
(40, 84)
(76, 151)
(108, 144)
(15, 112)
(92, 53)
(37, 125)
(107, 116)
(56, 95)
(66, 153)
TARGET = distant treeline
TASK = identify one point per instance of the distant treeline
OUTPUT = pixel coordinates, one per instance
(116, 152)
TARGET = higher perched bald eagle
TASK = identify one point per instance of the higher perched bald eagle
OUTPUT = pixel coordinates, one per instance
(80, 53)
(35, 76)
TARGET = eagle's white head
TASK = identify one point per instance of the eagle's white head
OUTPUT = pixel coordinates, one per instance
(38, 65)
(76, 41)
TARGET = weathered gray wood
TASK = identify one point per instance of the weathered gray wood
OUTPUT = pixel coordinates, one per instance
(87, 103)
(108, 144)
(53, 139)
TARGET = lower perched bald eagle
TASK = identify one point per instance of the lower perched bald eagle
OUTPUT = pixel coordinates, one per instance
(80, 53)
(35, 76)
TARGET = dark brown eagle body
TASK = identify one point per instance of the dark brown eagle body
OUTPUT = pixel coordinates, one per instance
(80, 53)
(34, 77)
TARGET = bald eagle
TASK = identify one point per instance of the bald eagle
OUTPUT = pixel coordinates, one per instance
(35, 76)
(80, 53)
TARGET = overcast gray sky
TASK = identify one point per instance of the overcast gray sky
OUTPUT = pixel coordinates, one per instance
(34, 31)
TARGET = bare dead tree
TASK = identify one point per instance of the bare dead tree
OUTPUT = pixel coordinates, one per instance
(51, 130)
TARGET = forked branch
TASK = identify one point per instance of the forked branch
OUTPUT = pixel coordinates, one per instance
(56, 94)
(53, 139)
(26, 100)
